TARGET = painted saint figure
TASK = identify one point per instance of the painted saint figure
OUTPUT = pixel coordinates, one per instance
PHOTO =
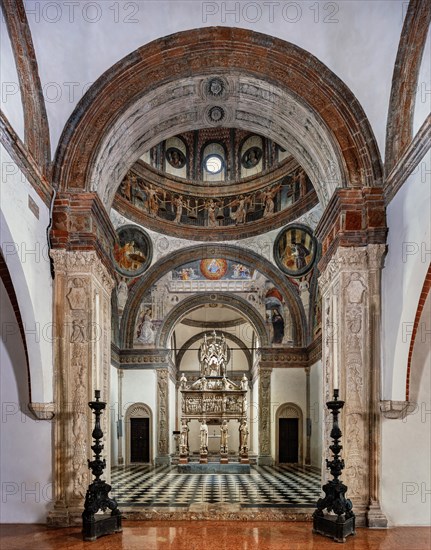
(300, 252)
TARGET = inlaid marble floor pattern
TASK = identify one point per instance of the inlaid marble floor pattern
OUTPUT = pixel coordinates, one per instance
(163, 486)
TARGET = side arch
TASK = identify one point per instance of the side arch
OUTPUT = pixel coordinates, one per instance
(399, 131)
(230, 252)
(36, 129)
(35, 334)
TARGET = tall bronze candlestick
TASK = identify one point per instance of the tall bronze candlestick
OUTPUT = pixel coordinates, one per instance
(97, 497)
(339, 521)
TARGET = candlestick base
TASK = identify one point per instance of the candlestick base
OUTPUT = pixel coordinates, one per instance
(329, 526)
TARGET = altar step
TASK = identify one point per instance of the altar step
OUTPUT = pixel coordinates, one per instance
(213, 468)
(213, 459)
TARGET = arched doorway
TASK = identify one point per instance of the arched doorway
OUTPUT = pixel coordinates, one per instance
(139, 428)
(289, 436)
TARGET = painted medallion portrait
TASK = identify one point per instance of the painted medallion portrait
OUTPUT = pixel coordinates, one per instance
(133, 251)
(175, 157)
(251, 157)
(295, 250)
(213, 268)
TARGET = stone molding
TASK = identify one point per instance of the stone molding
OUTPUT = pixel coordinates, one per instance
(411, 156)
(42, 411)
(395, 410)
(24, 160)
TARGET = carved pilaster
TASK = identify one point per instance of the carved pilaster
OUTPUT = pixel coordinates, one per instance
(162, 416)
(350, 288)
(264, 381)
(82, 317)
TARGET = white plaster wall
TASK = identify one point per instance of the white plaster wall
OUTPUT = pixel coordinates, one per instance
(25, 249)
(406, 264)
(423, 93)
(357, 40)
(11, 103)
(287, 386)
(317, 407)
(406, 450)
(113, 408)
(25, 443)
(140, 386)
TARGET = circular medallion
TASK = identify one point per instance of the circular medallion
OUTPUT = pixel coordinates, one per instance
(295, 250)
(213, 268)
(175, 157)
(216, 114)
(251, 157)
(133, 252)
(215, 87)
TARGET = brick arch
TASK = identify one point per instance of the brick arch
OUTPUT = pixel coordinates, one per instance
(422, 299)
(227, 335)
(229, 252)
(399, 130)
(36, 129)
(191, 303)
(90, 155)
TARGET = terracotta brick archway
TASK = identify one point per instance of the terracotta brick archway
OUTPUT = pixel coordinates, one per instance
(295, 82)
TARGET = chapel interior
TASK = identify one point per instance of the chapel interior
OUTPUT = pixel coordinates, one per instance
(215, 214)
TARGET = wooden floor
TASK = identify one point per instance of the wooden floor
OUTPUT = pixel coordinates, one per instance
(194, 535)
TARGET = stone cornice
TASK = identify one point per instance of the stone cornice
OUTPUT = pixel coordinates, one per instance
(353, 218)
(143, 359)
(408, 161)
(24, 160)
(80, 222)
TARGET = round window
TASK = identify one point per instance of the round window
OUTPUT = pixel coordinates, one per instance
(213, 164)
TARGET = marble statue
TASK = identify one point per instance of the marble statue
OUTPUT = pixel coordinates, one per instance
(204, 437)
(243, 437)
(184, 438)
(224, 434)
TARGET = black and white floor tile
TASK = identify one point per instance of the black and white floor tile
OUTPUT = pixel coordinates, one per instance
(266, 486)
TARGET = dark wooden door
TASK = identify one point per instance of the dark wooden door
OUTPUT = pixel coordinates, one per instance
(288, 440)
(139, 440)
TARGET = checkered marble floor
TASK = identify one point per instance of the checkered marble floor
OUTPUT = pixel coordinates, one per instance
(266, 486)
